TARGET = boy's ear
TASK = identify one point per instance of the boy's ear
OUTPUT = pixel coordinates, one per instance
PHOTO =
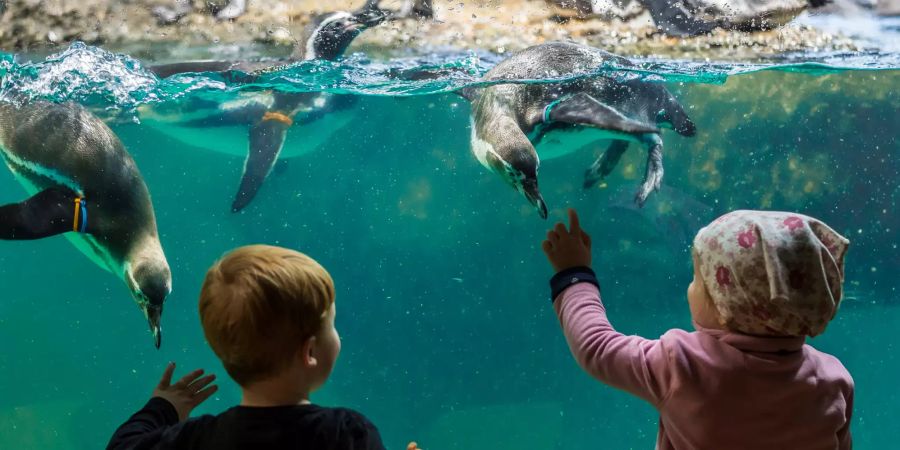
(308, 352)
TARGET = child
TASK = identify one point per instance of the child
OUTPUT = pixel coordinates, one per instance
(763, 281)
(268, 314)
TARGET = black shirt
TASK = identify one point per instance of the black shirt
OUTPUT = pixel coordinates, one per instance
(297, 427)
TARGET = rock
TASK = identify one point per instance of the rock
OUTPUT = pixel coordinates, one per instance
(281, 36)
(510, 24)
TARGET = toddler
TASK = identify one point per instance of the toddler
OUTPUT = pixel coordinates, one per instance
(268, 314)
(745, 379)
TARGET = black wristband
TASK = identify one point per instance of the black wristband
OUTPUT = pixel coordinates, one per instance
(567, 277)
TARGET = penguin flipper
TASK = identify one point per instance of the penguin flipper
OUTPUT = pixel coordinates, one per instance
(582, 109)
(229, 117)
(604, 165)
(266, 140)
(167, 70)
(47, 213)
(468, 93)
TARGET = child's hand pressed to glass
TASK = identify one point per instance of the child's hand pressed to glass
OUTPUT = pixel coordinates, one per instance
(188, 392)
(568, 248)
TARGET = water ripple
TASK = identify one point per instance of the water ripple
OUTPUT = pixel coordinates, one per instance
(118, 83)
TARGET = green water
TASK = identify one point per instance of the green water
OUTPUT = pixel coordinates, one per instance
(449, 338)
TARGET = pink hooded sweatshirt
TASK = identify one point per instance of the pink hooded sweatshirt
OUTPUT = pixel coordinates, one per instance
(715, 389)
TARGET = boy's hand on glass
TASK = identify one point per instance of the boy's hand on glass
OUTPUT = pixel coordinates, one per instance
(568, 248)
(190, 391)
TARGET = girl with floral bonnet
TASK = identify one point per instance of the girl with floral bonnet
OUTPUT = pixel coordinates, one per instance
(745, 378)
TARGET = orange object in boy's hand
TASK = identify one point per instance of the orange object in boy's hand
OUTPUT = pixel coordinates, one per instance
(568, 248)
(190, 391)
(412, 446)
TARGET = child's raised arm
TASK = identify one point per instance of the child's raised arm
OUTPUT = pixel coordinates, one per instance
(169, 405)
(631, 363)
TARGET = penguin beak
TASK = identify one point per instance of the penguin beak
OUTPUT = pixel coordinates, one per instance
(530, 189)
(154, 315)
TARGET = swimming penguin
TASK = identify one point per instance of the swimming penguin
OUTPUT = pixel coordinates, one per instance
(84, 184)
(693, 17)
(512, 123)
(268, 115)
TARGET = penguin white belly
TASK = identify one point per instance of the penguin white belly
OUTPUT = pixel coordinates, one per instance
(83, 242)
(234, 139)
(561, 142)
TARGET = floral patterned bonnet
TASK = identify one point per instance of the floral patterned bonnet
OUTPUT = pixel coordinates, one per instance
(772, 273)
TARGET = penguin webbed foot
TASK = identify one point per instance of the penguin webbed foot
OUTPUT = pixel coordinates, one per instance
(652, 177)
(604, 165)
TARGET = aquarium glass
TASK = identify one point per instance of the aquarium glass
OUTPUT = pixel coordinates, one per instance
(449, 336)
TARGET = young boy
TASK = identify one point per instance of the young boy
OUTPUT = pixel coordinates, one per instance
(746, 379)
(268, 314)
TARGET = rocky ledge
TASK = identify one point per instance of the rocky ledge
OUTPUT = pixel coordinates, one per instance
(492, 25)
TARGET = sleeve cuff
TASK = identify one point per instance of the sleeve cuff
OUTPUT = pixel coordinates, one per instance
(567, 277)
(165, 408)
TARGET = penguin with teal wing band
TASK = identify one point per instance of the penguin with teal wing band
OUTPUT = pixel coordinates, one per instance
(84, 185)
(256, 124)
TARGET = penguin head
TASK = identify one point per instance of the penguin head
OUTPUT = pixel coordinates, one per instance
(519, 169)
(150, 281)
(502, 147)
(332, 33)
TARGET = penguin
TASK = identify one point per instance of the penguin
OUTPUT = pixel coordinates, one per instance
(267, 115)
(84, 185)
(695, 17)
(511, 123)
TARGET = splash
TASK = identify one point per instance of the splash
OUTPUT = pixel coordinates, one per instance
(81, 73)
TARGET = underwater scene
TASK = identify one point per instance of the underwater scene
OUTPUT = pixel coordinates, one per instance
(448, 332)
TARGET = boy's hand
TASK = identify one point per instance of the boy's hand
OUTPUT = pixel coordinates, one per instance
(568, 248)
(190, 391)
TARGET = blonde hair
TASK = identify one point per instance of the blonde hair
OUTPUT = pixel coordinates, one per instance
(258, 304)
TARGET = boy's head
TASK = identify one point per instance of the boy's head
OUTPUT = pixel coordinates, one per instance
(266, 309)
(770, 273)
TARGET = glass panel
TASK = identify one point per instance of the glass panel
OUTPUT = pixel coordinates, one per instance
(448, 335)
